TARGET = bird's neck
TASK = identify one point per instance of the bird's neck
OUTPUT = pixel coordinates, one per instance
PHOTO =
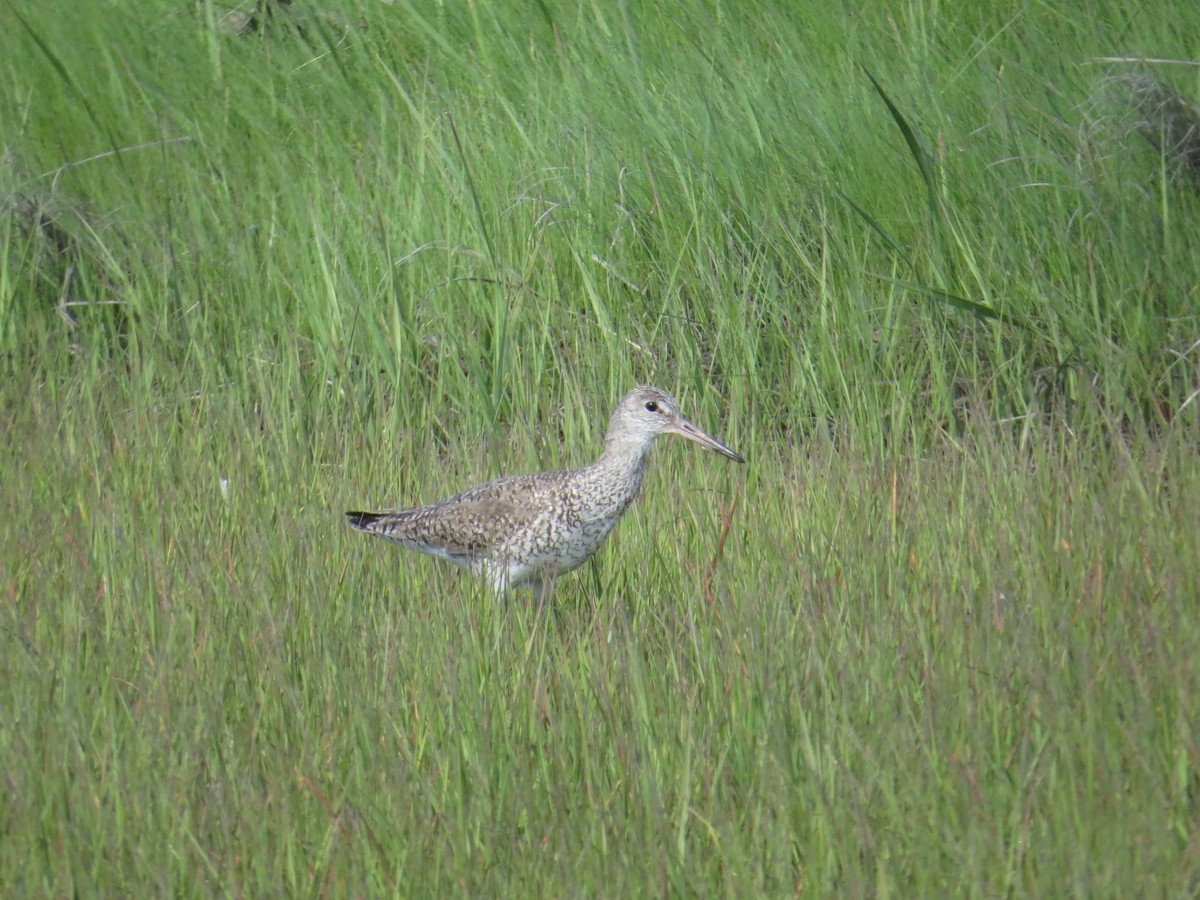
(622, 462)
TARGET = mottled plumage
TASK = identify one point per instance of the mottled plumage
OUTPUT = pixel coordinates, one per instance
(529, 529)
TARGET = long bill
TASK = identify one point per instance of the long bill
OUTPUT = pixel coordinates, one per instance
(685, 428)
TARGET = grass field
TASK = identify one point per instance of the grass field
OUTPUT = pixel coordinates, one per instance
(933, 272)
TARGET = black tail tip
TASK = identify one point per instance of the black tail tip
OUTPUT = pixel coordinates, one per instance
(362, 520)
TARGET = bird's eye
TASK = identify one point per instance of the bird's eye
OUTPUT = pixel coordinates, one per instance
(651, 406)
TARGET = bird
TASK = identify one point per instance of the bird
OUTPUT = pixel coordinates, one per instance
(526, 530)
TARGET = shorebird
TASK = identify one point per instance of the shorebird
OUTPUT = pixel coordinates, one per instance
(526, 530)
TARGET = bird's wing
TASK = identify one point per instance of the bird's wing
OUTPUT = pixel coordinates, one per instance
(469, 525)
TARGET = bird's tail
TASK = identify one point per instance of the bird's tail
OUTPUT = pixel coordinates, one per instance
(363, 521)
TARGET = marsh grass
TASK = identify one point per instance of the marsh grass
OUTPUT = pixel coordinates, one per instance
(936, 638)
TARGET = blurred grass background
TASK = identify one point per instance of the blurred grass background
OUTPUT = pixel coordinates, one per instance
(933, 271)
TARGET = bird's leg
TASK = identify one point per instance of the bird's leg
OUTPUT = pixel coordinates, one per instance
(542, 589)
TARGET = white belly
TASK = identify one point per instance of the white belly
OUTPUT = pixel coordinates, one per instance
(546, 552)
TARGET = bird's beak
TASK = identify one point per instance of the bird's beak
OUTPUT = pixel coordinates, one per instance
(683, 427)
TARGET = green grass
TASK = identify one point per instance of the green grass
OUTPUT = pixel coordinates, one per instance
(938, 637)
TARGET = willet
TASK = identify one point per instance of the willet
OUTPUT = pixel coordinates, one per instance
(526, 530)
